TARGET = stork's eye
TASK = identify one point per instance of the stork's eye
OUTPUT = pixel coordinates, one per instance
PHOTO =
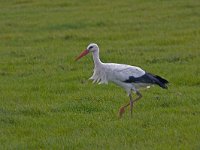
(90, 47)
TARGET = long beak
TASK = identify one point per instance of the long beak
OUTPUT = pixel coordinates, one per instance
(85, 52)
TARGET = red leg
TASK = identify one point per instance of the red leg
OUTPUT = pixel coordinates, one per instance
(122, 109)
(132, 101)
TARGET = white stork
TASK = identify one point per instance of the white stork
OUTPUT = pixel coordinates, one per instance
(131, 78)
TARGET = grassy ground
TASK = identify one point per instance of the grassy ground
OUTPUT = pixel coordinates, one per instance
(46, 101)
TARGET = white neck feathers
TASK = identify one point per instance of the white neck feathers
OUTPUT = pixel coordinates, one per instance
(97, 61)
(99, 74)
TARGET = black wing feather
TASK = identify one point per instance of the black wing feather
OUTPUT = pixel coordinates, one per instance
(148, 78)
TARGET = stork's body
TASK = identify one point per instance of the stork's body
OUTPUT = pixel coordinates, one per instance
(131, 78)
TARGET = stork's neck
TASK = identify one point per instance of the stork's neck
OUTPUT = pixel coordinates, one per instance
(97, 61)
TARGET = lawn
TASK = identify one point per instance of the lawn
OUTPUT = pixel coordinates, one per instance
(47, 101)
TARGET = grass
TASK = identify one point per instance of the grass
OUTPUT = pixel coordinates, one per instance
(46, 99)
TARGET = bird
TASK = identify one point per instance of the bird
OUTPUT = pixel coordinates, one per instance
(130, 78)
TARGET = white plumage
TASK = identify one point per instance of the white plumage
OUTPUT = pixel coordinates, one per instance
(131, 78)
(117, 73)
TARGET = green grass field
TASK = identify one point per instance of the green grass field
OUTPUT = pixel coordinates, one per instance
(47, 101)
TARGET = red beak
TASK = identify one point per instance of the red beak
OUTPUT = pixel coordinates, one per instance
(85, 52)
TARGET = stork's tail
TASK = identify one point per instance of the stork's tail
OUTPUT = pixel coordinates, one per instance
(160, 81)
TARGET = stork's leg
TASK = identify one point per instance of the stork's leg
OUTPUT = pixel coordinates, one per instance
(131, 104)
(122, 109)
(132, 101)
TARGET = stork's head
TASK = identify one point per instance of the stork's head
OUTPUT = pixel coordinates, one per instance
(90, 48)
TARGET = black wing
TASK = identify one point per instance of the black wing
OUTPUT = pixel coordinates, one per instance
(148, 78)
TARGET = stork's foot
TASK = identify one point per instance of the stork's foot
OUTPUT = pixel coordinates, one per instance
(121, 111)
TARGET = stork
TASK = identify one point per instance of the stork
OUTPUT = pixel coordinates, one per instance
(131, 78)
